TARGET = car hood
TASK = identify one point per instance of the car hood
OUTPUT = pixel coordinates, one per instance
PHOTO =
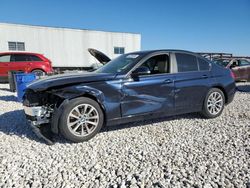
(101, 57)
(68, 79)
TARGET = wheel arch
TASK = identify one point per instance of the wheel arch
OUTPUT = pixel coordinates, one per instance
(93, 97)
(97, 97)
(223, 90)
(38, 69)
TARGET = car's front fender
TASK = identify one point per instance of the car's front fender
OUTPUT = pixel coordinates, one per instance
(79, 91)
(70, 93)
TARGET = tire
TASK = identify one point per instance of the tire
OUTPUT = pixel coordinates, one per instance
(213, 104)
(38, 72)
(75, 121)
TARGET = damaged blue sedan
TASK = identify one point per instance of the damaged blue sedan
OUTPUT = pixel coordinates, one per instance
(134, 86)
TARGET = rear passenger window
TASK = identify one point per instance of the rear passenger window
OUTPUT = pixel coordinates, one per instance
(20, 57)
(35, 58)
(186, 62)
(203, 64)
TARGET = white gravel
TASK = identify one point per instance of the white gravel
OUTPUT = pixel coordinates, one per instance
(180, 151)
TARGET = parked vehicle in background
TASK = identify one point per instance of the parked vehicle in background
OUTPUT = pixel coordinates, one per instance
(240, 67)
(24, 61)
(132, 87)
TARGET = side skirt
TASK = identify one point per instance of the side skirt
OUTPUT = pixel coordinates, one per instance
(149, 116)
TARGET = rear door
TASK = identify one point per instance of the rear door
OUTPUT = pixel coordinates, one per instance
(20, 62)
(34, 62)
(192, 82)
(4, 64)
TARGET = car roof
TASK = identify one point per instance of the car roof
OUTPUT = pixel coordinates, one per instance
(11, 52)
(145, 52)
(148, 52)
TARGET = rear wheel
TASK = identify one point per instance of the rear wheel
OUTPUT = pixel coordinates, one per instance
(38, 72)
(81, 119)
(214, 103)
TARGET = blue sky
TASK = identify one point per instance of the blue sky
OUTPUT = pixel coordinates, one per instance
(196, 25)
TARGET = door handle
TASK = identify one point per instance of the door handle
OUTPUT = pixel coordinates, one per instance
(168, 81)
(204, 76)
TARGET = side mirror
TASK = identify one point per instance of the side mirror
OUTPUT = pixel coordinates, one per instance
(141, 71)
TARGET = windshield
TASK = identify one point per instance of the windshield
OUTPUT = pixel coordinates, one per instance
(121, 64)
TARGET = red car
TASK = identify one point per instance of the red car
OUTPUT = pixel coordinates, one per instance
(24, 61)
(239, 66)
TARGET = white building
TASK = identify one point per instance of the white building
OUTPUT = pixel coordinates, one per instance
(66, 47)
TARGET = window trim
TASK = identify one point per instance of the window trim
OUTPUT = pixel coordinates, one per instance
(17, 54)
(197, 56)
(144, 59)
(172, 61)
(187, 53)
(202, 58)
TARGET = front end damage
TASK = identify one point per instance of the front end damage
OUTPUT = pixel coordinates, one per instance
(40, 109)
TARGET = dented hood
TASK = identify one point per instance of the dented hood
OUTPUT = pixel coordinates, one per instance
(68, 79)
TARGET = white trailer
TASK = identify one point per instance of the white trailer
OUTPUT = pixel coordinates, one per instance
(65, 47)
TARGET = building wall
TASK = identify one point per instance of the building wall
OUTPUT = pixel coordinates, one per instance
(67, 47)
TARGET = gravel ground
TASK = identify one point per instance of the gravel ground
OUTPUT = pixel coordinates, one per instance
(181, 151)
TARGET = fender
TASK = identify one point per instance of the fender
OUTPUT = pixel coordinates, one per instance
(70, 93)
(56, 116)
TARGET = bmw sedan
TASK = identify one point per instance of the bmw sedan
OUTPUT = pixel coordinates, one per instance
(134, 86)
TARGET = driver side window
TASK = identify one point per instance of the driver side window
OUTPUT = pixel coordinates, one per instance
(158, 64)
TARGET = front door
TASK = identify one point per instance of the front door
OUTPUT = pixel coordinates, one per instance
(4, 65)
(19, 62)
(150, 93)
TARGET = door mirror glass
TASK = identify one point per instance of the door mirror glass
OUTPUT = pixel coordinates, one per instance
(142, 70)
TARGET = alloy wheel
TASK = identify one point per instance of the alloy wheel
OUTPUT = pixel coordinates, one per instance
(83, 120)
(215, 103)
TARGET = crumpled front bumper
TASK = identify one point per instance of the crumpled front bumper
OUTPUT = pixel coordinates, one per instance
(38, 120)
(46, 136)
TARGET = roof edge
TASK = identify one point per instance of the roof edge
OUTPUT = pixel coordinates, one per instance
(70, 28)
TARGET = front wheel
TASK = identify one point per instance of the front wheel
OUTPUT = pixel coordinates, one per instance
(214, 103)
(81, 119)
